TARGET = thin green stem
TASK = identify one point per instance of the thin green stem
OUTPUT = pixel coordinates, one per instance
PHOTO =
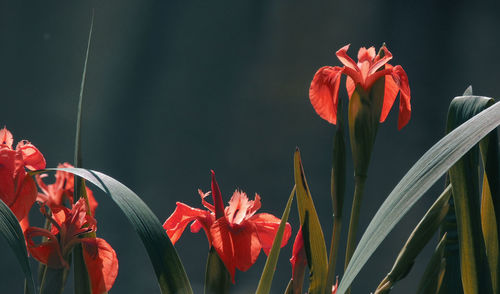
(334, 248)
(359, 187)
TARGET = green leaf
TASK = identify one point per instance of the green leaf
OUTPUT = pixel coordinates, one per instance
(420, 236)
(81, 275)
(11, 231)
(452, 281)
(168, 268)
(53, 281)
(266, 278)
(217, 278)
(490, 204)
(428, 169)
(318, 262)
(434, 272)
(464, 178)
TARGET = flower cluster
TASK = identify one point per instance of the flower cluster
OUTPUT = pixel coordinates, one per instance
(68, 224)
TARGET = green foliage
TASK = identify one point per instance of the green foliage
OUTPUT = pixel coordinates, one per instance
(428, 169)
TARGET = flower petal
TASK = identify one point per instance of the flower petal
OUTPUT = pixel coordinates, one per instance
(102, 264)
(217, 197)
(266, 226)
(32, 157)
(366, 54)
(238, 246)
(345, 59)
(6, 137)
(350, 86)
(324, 91)
(390, 92)
(299, 258)
(379, 62)
(401, 79)
(223, 244)
(47, 252)
(25, 198)
(182, 216)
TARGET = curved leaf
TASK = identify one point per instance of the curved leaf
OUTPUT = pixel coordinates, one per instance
(11, 231)
(168, 268)
(428, 169)
(433, 276)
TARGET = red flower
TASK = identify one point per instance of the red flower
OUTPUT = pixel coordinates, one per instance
(325, 84)
(62, 189)
(17, 189)
(236, 232)
(71, 227)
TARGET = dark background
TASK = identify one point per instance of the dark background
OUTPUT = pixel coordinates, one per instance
(175, 89)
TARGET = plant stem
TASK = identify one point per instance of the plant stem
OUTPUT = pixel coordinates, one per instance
(334, 248)
(359, 186)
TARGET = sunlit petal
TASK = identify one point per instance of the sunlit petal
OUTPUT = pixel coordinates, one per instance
(324, 92)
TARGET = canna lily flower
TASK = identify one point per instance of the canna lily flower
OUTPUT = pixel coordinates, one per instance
(236, 232)
(17, 189)
(61, 190)
(71, 227)
(370, 68)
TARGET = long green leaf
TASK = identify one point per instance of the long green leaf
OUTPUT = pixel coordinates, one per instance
(428, 169)
(168, 268)
(11, 231)
(318, 260)
(490, 204)
(80, 273)
(266, 278)
(420, 236)
(464, 178)
(434, 272)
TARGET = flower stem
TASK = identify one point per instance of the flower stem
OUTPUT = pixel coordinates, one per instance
(359, 187)
(334, 247)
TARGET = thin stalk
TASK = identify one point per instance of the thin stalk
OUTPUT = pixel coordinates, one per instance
(334, 248)
(359, 187)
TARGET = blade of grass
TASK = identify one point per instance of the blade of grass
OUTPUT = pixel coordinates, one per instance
(266, 278)
(81, 276)
(428, 169)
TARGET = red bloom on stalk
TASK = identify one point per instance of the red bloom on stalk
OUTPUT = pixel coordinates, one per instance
(17, 189)
(236, 232)
(71, 227)
(63, 189)
(370, 67)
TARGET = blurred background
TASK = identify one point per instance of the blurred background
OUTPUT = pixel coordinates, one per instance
(176, 88)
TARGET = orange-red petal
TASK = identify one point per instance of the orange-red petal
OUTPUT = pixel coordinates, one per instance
(182, 216)
(47, 252)
(324, 91)
(390, 93)
(238, 246)
(32, 157)
(266, 226)
(6, 137)
(401, 80)
(25, 198)
(345, 59)
(102, 264)
(299, 258)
